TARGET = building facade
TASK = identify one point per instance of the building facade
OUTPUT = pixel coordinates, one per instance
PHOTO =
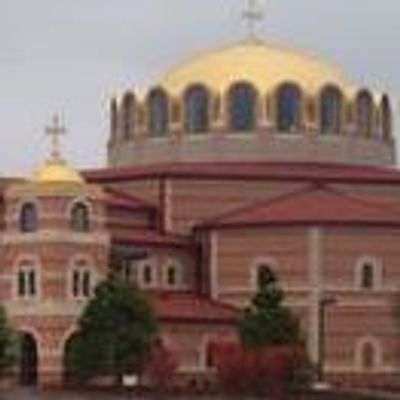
(248, 156)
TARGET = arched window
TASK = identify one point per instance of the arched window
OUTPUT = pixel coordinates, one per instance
(288, 108)
(158, 113)
(196, 109)
(128, 115)
(367, 276)
(264, 274)
(386, 118)
(368, 356)
(242, 102)
(147, 275)
(364, 114)
(80, 218)
(172, 275)
(27, 281)
(113, 119)
(82, 282)
(28, 220)
(331, 110)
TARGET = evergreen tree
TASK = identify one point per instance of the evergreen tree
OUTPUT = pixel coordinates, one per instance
(116, 332)
(266, 321)
(7, 344)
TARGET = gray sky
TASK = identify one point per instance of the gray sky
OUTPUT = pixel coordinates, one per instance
(72, 55)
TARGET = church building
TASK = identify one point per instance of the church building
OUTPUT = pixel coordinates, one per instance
(243, 157)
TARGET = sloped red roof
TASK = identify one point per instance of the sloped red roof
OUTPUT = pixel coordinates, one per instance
(119, 198)
(190, 307)
(314, 204)
(149, 237)
(332, 172)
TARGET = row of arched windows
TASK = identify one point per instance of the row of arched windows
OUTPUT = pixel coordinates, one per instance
(368, 274)
(242, 106)
(29, 218)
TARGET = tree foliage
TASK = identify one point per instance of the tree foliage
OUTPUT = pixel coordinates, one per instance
(8, 345)
(116, 332)
(266, 321)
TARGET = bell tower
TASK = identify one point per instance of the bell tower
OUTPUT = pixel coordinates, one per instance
(55, 249)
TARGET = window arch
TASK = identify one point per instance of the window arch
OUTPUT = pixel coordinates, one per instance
(197, 109)
(368, 353)
(172, 274)
(364, 113)
(331, 104)
(288, 108)
(82, 280)
(28, 219)
(158, 107)
(147, 274)
(128, 115)
(80, 221)
(27, 279)
(242, 103)
(368, 273)
(113, 118)
(386, 118)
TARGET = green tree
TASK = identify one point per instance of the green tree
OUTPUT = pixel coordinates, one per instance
(116, 332)
(8, 347)
(266, 321)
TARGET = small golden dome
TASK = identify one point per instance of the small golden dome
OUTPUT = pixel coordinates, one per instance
(261, 64)
(57, 171)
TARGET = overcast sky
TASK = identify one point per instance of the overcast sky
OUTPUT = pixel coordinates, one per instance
(71, 56)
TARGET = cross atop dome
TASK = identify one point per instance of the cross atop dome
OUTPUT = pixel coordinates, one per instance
(252, 15)
(55, 131)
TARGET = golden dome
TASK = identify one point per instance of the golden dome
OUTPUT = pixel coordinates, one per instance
(57, 171)
(261, 64)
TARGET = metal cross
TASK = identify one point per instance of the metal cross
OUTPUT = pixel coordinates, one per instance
(55, 131)
(252, 15)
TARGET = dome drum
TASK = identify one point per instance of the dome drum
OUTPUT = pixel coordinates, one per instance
(268, 91)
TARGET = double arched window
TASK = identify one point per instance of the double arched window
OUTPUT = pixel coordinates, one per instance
(364, 113)
(27, 280)
(158, 113)
(242, 102)
(128, 115)
(28, 219)
(288, 108)
(196, 109)
(331, 104)
(80, 221)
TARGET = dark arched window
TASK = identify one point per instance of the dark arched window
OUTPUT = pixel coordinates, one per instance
(364, 113)
(331, 110)
(386, 118)
(265, 275)
(28, 220)
(367, 276)
(113, 118)
(368, 356)
(196, 109)
(288, 108)
(80, 218)
(158, 113)
(128, 115)
(242, 103)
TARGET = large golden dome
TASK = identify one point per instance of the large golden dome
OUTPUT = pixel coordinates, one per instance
(57, 171)
(257, 62)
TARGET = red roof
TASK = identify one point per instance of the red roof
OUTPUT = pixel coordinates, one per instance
(149, 237)
(119, 198)
(327, 172)
(315, 205)
(191, 307)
